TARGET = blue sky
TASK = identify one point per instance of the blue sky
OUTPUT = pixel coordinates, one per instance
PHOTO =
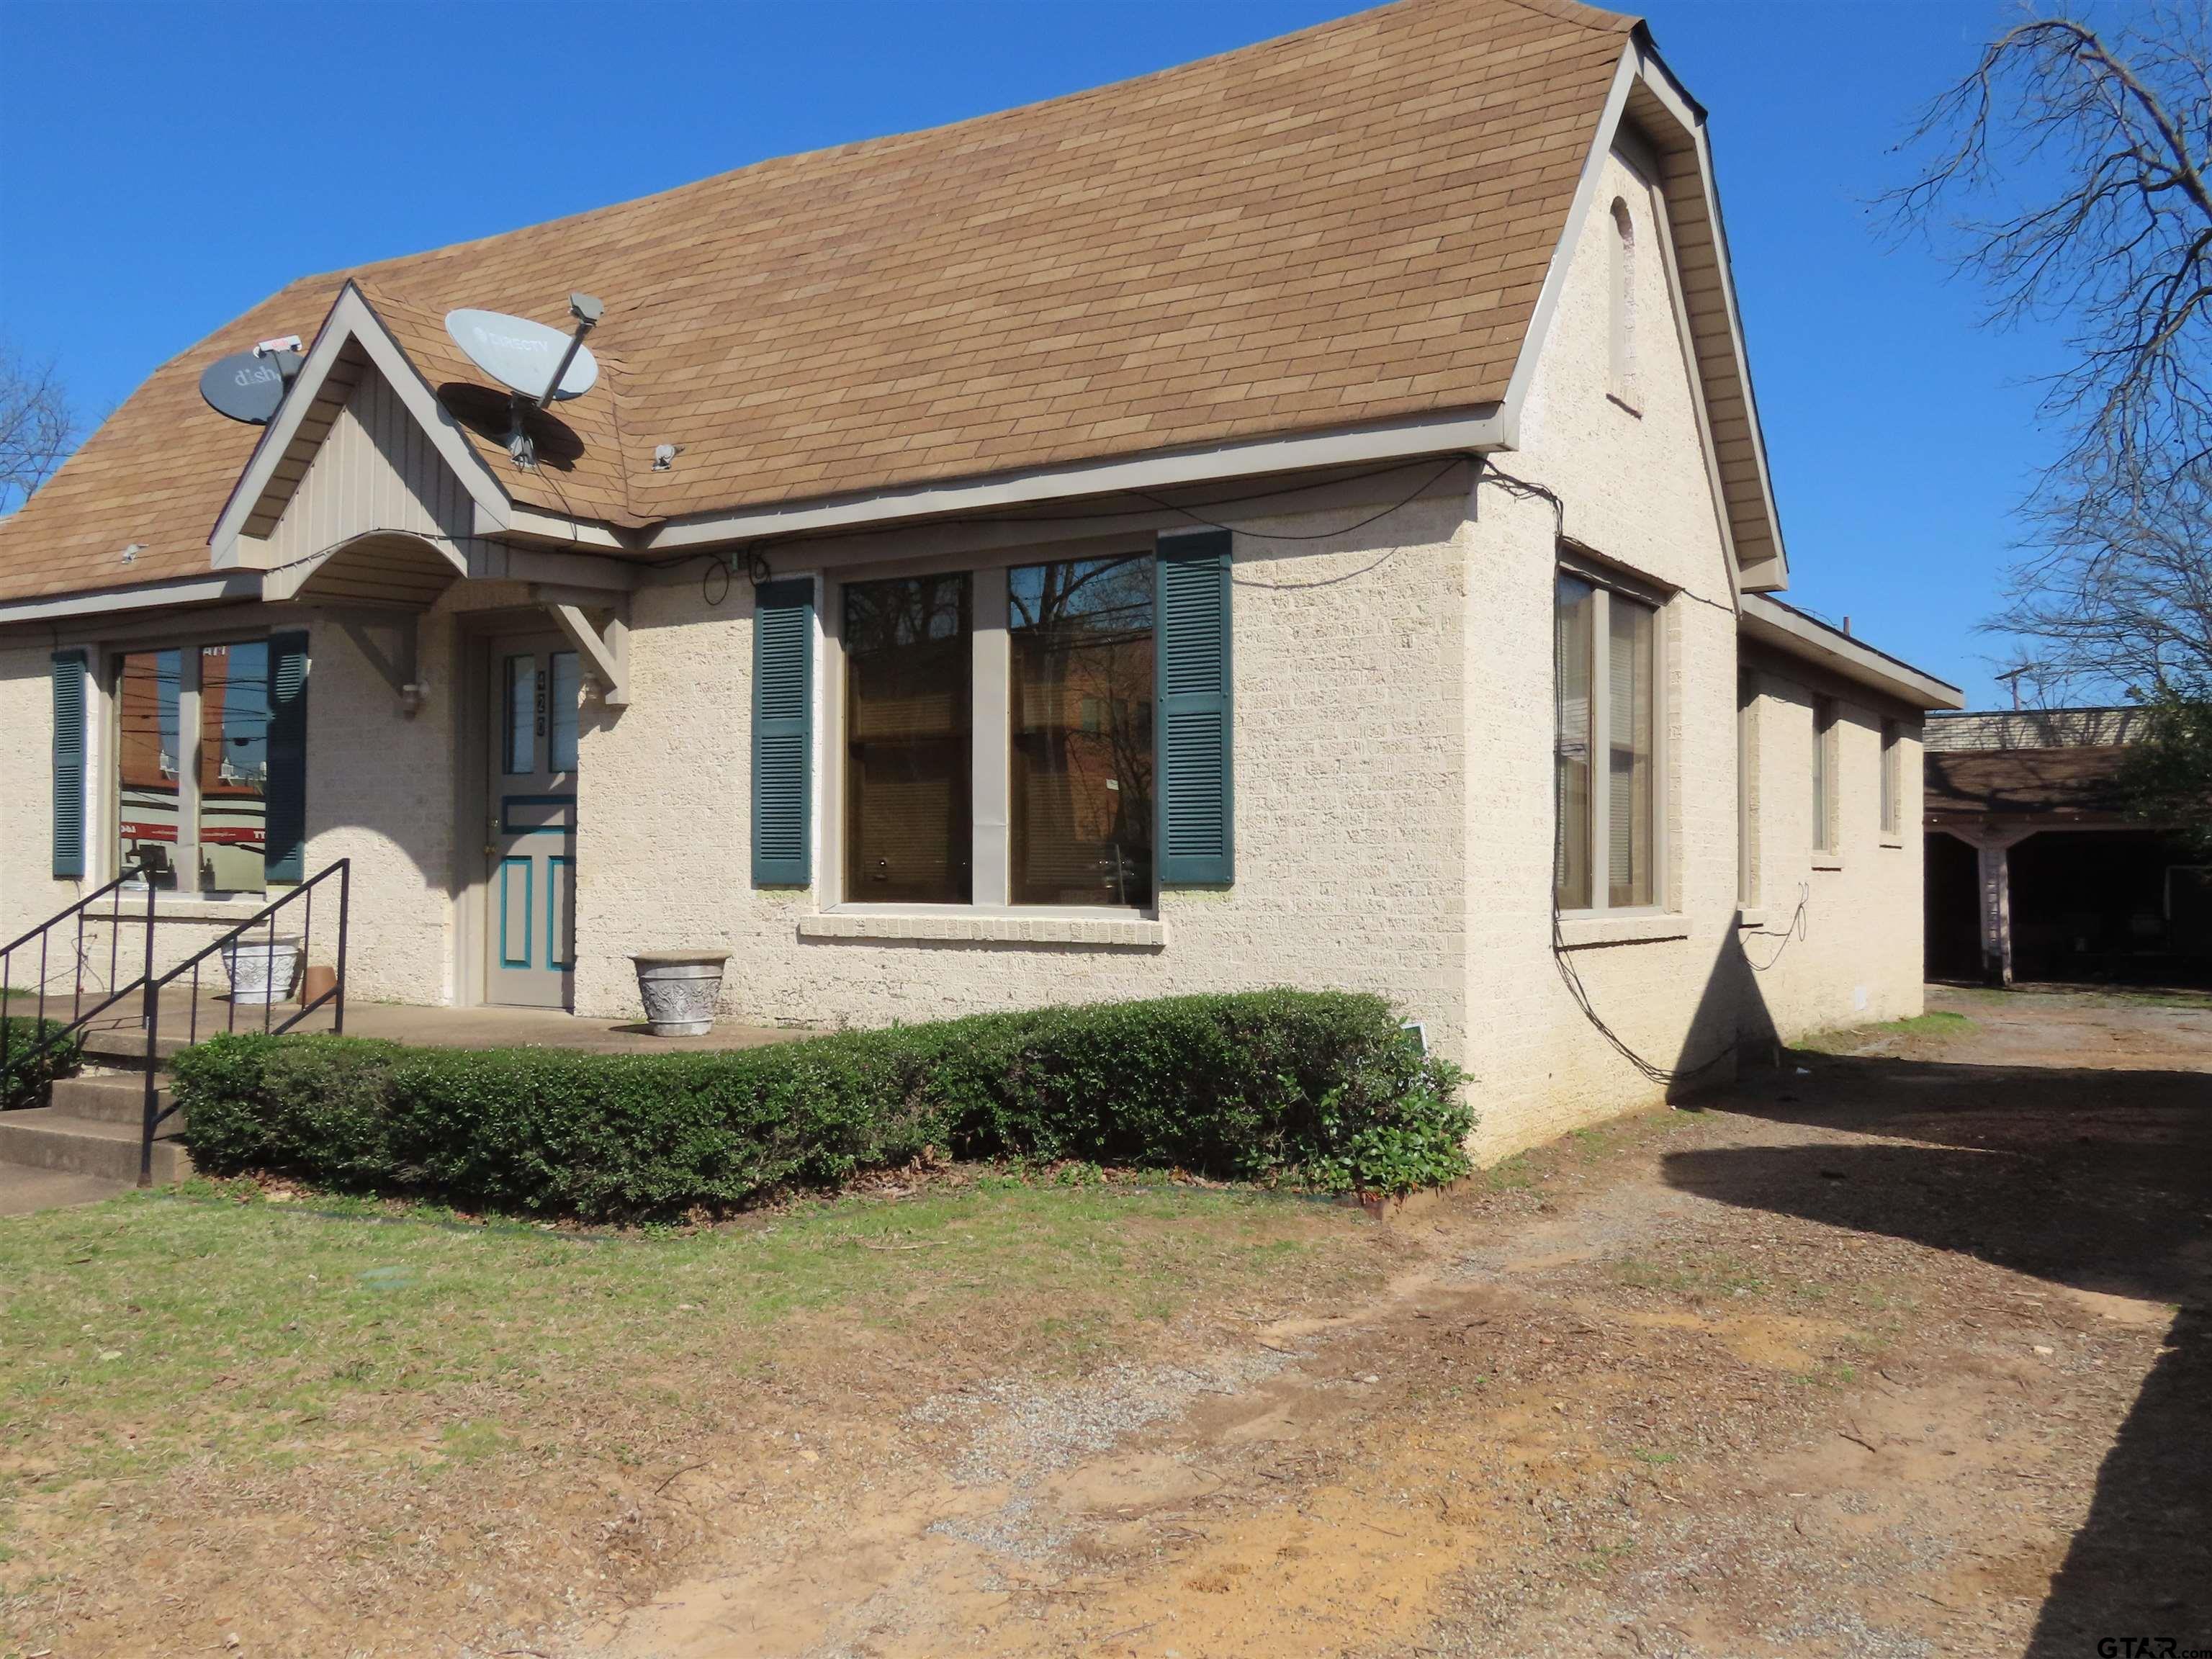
(167, 166)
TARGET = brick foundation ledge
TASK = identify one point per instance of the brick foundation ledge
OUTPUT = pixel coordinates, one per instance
(1133, 934)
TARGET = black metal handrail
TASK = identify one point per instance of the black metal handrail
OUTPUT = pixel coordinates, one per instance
(44, 1040)
(155, 1114)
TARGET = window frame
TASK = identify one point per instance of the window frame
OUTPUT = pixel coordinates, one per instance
(106, 659)
(1825, 780)
(990, 731)
(1893, 781)
(1605, 582)
(1746, 789)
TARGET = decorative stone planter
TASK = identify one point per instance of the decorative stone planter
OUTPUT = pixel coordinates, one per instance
(679, 989)
(261, 970)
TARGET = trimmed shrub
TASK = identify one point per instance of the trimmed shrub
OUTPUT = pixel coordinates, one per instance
(24, 1076)
(1320, 1088)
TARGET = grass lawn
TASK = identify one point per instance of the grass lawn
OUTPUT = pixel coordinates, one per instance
(1849, 1039)
(374, 1376)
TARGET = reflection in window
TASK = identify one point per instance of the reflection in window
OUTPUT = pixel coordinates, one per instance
(1081, 633)
(1574, 612)
(148, 761)
(520, 722)
(234, 766)
(560, 727)
(1628, 741)
(907, 721)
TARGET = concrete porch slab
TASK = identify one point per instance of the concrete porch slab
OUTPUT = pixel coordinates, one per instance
(117, 1036)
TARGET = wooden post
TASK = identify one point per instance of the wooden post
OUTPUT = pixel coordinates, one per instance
(1997, 913)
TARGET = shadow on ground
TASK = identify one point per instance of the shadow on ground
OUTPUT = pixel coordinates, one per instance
(2097, 1179)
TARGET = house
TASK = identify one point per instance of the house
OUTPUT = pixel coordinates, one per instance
(1299, 517)
(2036, 867)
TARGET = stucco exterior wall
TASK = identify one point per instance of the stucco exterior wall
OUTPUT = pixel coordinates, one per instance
(1837, 936)
(1633, 484)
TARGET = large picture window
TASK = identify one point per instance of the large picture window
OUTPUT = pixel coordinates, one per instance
(1080, 638)
(908, 675)
(1605, 768)
(193, 767)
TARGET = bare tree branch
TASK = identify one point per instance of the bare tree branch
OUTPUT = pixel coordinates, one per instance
(2072, 173)
(38, 427)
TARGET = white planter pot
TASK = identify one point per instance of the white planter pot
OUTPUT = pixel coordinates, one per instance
(679, 989)
(261, 970)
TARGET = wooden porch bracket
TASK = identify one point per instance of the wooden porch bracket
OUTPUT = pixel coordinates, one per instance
(398, 666)
(606, 650)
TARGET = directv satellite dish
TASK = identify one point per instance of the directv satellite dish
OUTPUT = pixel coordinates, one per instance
(523, 356)
(247, 386)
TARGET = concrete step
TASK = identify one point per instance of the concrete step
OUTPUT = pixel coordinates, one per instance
(126, 1045)
(110, 1097)
(48, 1138)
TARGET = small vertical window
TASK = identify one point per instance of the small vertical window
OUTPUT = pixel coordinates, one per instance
(1629, 753)
(1892, 799)
(1746, 790)
(519, 677)
(1621, 378)
(908, 710)
(1574, 611)
(1824, 775)
(1081, 651)
(560, 723)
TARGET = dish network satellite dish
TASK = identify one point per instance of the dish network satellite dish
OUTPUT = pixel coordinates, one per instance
(539, 364)
(248, 386)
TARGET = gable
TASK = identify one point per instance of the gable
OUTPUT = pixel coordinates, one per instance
(373, 472)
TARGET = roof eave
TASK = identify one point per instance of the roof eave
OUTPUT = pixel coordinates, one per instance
(1776, 625)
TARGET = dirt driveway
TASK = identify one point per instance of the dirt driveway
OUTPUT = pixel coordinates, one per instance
(1907, 1351)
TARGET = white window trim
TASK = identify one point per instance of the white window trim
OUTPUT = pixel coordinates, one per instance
(1605, 581)
(990, 910)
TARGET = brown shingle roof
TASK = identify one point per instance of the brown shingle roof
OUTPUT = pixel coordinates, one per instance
(1347, 224)
(2035, 782)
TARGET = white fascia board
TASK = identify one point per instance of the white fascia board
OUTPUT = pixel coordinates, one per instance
(154, 596)
(1476, 430)
(1794, 633)
(1640, 65)
(352, 318)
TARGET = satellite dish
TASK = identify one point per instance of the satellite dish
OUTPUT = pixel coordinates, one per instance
(247, 386)
(521, 355)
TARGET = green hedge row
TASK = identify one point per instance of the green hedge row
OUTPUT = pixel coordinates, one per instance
(24, 1076)
(1318, 1088)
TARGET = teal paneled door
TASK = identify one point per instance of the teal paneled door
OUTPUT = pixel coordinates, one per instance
(530, 935)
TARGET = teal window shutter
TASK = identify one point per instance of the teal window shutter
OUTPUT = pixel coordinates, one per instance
(1196, 791)
(783, 733)
(285, 794)
(69, 675)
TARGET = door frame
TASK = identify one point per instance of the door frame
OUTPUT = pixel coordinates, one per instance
(471, 887)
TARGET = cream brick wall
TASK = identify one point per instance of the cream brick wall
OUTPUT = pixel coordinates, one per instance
(1350, 775)
(1838, 939)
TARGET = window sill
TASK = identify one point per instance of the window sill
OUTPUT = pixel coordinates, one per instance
(1578, 933)
(187, 907)
(1134, 932)
(1753, 916)
(1828, 860)
(1895, 844)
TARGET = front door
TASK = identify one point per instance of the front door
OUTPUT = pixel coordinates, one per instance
(529, 931)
